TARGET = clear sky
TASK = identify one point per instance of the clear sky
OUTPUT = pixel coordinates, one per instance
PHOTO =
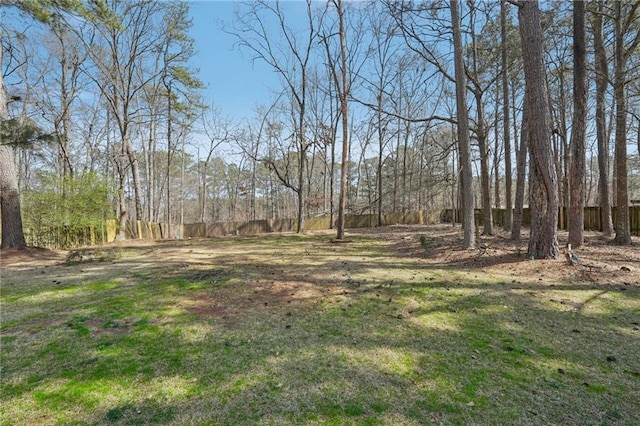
(234, 82)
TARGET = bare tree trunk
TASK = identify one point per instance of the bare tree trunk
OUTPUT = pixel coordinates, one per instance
(150, 166)
(405, 172)
(638, 137)
(497, 195)
(380, 162)
(332, 170)
(119, 159)
(69, 62)
(508, 222)
(578, 133)
(543, 189)
(481, 133)
(135, 173)
(622, 225)
(168, 178)
(463, 133)
(300, 192)
(345, 122)
(521, 170)
(485, 181)
(602, 77)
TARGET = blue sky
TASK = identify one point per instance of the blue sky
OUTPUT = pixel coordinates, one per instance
(235, 84)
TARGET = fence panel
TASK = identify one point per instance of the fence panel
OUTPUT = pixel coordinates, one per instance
(634, 219)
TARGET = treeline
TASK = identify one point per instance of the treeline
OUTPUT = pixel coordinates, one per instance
(118, 128)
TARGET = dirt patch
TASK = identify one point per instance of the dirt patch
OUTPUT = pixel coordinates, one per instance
(601, 262)
(229, 304)
(33, 327)
(31, 256)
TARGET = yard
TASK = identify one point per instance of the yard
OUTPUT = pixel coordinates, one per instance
(397, 326)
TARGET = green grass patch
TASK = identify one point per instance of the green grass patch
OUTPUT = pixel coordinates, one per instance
(296, 330)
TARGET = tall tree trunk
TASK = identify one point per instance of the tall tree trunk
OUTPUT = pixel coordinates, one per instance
(150, 166)
(119, 160)
(481, 132)
(521, 171)
(638, 137)
(464, 144)
(12, 232)
(543, 189)
(508, 184)
(380, 160)
(300, 190)
(135, 174)
(405, 172)
(560, 144)
(345, 122)
(485, 180)
(602, 77)
(169, 155)
(497, 195)
(578, 133)
(622, 226)
(332, 170)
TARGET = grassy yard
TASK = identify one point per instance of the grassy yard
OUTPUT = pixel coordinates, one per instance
(296, 330)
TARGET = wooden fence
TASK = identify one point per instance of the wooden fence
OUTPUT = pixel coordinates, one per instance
(62, 238)
(592, 218)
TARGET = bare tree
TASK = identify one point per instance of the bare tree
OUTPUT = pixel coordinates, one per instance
(559, 57)
(464, 145)
(341, 67)
(479, 89)
(602, 81)
(325, 108)
(382, 51)
(504, 58)
(625, 28)
(578, 132)
(219, 130)
(150, 45)
(117, 53)
(58, 99)
(343, 91)
(291, 60)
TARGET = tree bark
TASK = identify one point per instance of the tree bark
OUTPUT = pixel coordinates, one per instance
(135, 174)
(12, 232)
(481, 133)
(345, 131)
(521, 170)
(508, 184)
(622, 225)
(464, 146)
(543, 189)
(602, 78)
(485, 180)
(578, 133)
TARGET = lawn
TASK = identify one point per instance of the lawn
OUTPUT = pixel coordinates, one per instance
(395, 328)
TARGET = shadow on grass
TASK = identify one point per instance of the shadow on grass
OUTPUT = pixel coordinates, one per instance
(359, 335)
